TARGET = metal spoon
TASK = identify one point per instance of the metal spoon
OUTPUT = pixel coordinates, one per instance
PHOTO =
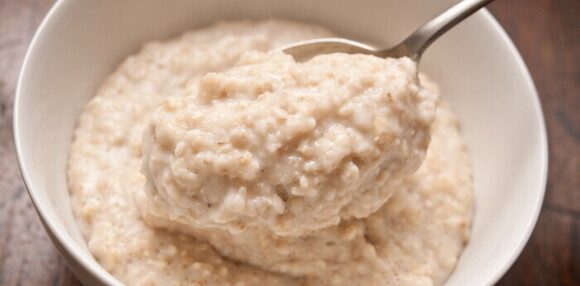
(412, 47)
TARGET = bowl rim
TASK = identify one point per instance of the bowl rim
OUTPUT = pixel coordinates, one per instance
(58, 237)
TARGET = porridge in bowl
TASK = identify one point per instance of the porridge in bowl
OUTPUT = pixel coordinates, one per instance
(206, 160)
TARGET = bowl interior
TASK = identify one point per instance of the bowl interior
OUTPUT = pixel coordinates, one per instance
(481, 74)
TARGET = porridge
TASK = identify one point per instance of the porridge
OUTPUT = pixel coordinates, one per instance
(286, 146)
(204, 160)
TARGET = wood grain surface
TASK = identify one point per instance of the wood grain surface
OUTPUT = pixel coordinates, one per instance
(547, 33)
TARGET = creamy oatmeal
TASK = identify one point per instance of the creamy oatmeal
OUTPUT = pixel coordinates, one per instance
(286, 146)
(263, 171)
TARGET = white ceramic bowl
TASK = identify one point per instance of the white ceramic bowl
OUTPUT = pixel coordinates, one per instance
(481, 73)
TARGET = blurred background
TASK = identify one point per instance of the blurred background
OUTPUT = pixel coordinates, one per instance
(547, 34)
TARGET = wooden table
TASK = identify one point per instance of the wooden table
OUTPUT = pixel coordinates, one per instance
(547, 33)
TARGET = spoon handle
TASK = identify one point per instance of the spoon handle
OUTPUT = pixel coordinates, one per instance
(420, 40)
